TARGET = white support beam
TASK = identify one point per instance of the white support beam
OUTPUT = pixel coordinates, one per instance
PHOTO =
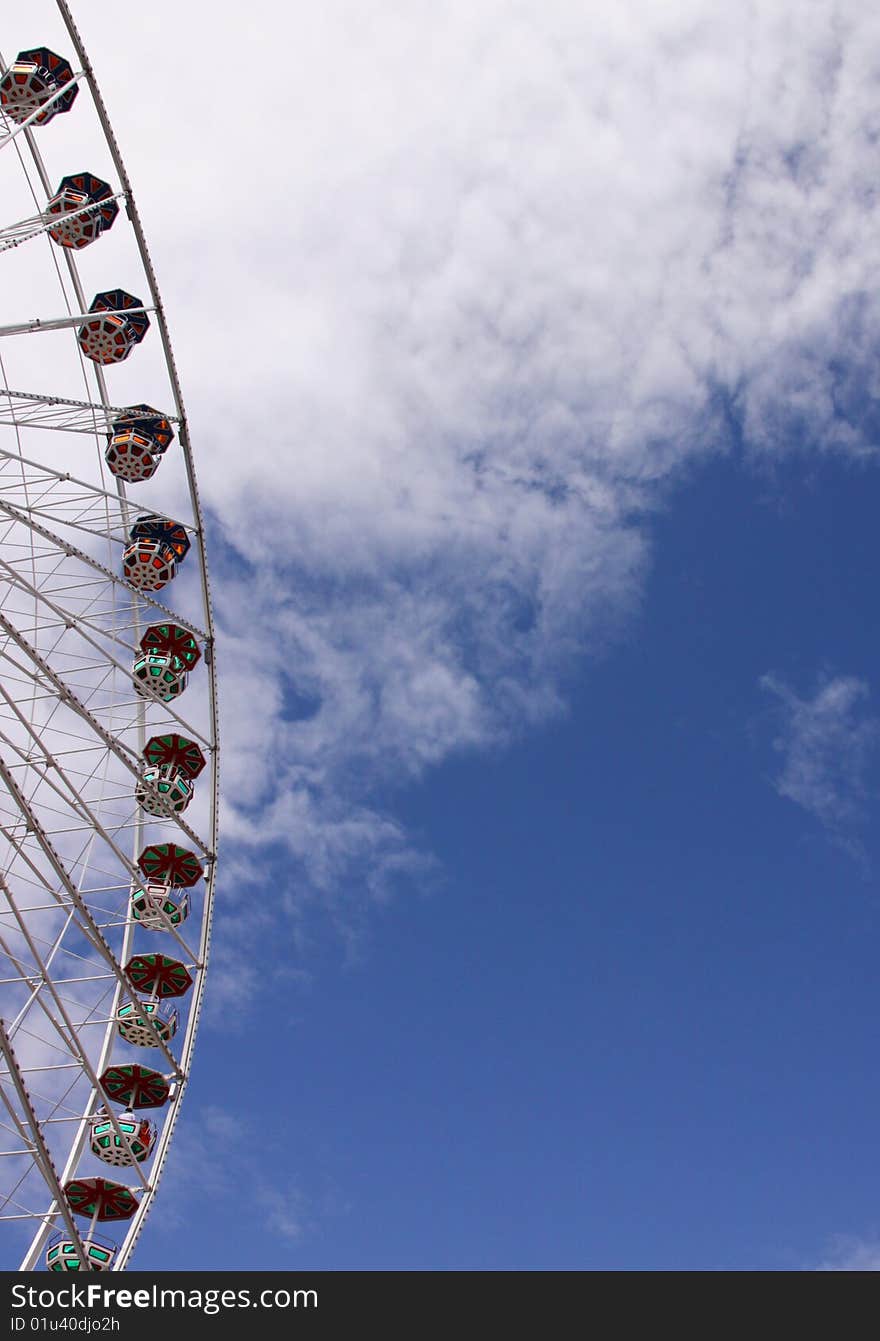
(66, 323)
(15, 234)
(41, 1150)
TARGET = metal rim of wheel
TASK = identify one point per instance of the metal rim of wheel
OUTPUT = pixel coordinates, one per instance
(108, 769)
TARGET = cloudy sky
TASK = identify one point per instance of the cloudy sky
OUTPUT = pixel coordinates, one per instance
(530, 357)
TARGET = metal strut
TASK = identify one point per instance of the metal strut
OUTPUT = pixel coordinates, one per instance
(40, 1149)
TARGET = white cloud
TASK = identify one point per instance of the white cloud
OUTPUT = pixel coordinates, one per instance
(215, 1154)
(847, 1253)
(826, 743)
(285, 1211)
(456, 291)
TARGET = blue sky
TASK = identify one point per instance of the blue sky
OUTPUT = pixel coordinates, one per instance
(530, 362)
(631, 1022)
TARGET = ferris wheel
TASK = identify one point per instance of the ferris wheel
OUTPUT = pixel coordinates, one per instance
(108, 714)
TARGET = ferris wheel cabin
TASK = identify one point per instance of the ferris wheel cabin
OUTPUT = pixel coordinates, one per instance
(89, 201)
(30, 83)
(137, 442)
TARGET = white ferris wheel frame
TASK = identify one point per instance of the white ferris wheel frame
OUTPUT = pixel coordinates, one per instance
(25, 408)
